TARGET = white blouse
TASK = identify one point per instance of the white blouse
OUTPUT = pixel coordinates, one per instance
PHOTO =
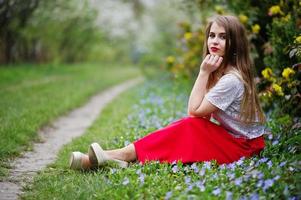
(227, 95)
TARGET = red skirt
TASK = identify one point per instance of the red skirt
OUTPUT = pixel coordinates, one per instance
(193, 139)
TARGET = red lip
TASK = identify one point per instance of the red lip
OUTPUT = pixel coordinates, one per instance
(214, 49)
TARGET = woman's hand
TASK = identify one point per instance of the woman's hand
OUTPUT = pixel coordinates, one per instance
(211, 63)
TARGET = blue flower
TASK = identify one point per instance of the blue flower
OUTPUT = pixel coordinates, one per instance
(270, 164)
(200, 185)
(238, 181)
(138, 171)
(263, 160)
(175, 169)
(231, 175)
(267, 184)
(190, 187)
(125, 181)
(187, 180)
(216, 192)
(207, 165)
(202, 172)
(229, 195)
(141, 178)
(231, 166)
(254, 196)
(168, 195)
(276, 178)
(282, 164)
(223, 166)
(240, 161)
(195, 168)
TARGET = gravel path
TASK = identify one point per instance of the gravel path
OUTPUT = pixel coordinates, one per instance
(54, 137)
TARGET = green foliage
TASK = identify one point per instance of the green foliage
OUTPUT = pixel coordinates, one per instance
(32, 96)
(276, 47)
(55, 31)
(275, 174)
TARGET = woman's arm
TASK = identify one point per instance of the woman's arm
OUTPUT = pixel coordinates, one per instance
(197, 105)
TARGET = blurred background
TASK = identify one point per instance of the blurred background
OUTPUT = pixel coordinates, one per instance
(152, 34)
(71, 31)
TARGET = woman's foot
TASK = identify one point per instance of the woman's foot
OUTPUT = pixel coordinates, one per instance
(98, 157)
(79, 161)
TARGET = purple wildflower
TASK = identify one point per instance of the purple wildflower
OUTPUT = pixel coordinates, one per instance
(214, 176)
(207, 165)
(195, 168)
(138, 171)
(190, 187)
(282, 164)
(254, 196)
(270, 137)
(270, 164)
(231, 166)
(125, 181)
(243, 198)
(231, 175)
(202, 172)
(187, 180)
(223, 166)
(260, 175)
(260, 183)
(200, 185)
(168, 195)
(175, 169)
(216, 191)
(229, 195)
(141, 178)
(238, 181)
(275, 142)
(240, 161)
(263, 160)
(276, 178)
(267, 184)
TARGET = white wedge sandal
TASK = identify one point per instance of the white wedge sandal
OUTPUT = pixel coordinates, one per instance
(75, 161)
(97, 156)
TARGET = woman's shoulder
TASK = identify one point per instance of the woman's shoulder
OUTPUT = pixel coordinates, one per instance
(232, 78)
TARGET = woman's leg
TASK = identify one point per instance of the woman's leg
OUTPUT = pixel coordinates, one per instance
(127, 153)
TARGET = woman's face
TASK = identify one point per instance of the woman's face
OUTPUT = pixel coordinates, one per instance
(216, 41)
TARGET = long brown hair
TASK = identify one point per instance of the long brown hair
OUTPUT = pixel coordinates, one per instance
(237, 54)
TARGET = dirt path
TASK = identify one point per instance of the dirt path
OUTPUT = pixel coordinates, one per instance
(54, 137)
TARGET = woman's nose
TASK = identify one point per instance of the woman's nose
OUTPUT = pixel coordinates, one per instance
(215, 40)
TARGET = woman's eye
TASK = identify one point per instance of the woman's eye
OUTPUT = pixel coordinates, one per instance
(211, 35)
(223, 37)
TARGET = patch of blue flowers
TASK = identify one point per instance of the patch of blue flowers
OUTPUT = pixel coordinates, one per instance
(274, 174)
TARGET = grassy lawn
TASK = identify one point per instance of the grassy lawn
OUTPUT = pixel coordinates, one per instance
(32, 96)
(275, 174)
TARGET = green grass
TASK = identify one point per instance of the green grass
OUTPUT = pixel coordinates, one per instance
(32, 96)
(273, 175)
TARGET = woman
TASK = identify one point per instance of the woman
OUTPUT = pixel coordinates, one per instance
(224, 90)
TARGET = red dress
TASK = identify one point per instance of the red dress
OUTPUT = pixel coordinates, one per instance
(193, 139)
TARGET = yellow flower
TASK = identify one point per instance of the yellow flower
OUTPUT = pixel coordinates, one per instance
(170, 59)
(267, 73)
(287, 72)
(255, 28)
(274, 10)
(277, 88)
(188, 36)
(243, 18)
(219, 9)
(286, 18)
(298, 39)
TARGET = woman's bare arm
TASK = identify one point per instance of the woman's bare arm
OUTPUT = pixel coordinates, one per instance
(197, 105)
